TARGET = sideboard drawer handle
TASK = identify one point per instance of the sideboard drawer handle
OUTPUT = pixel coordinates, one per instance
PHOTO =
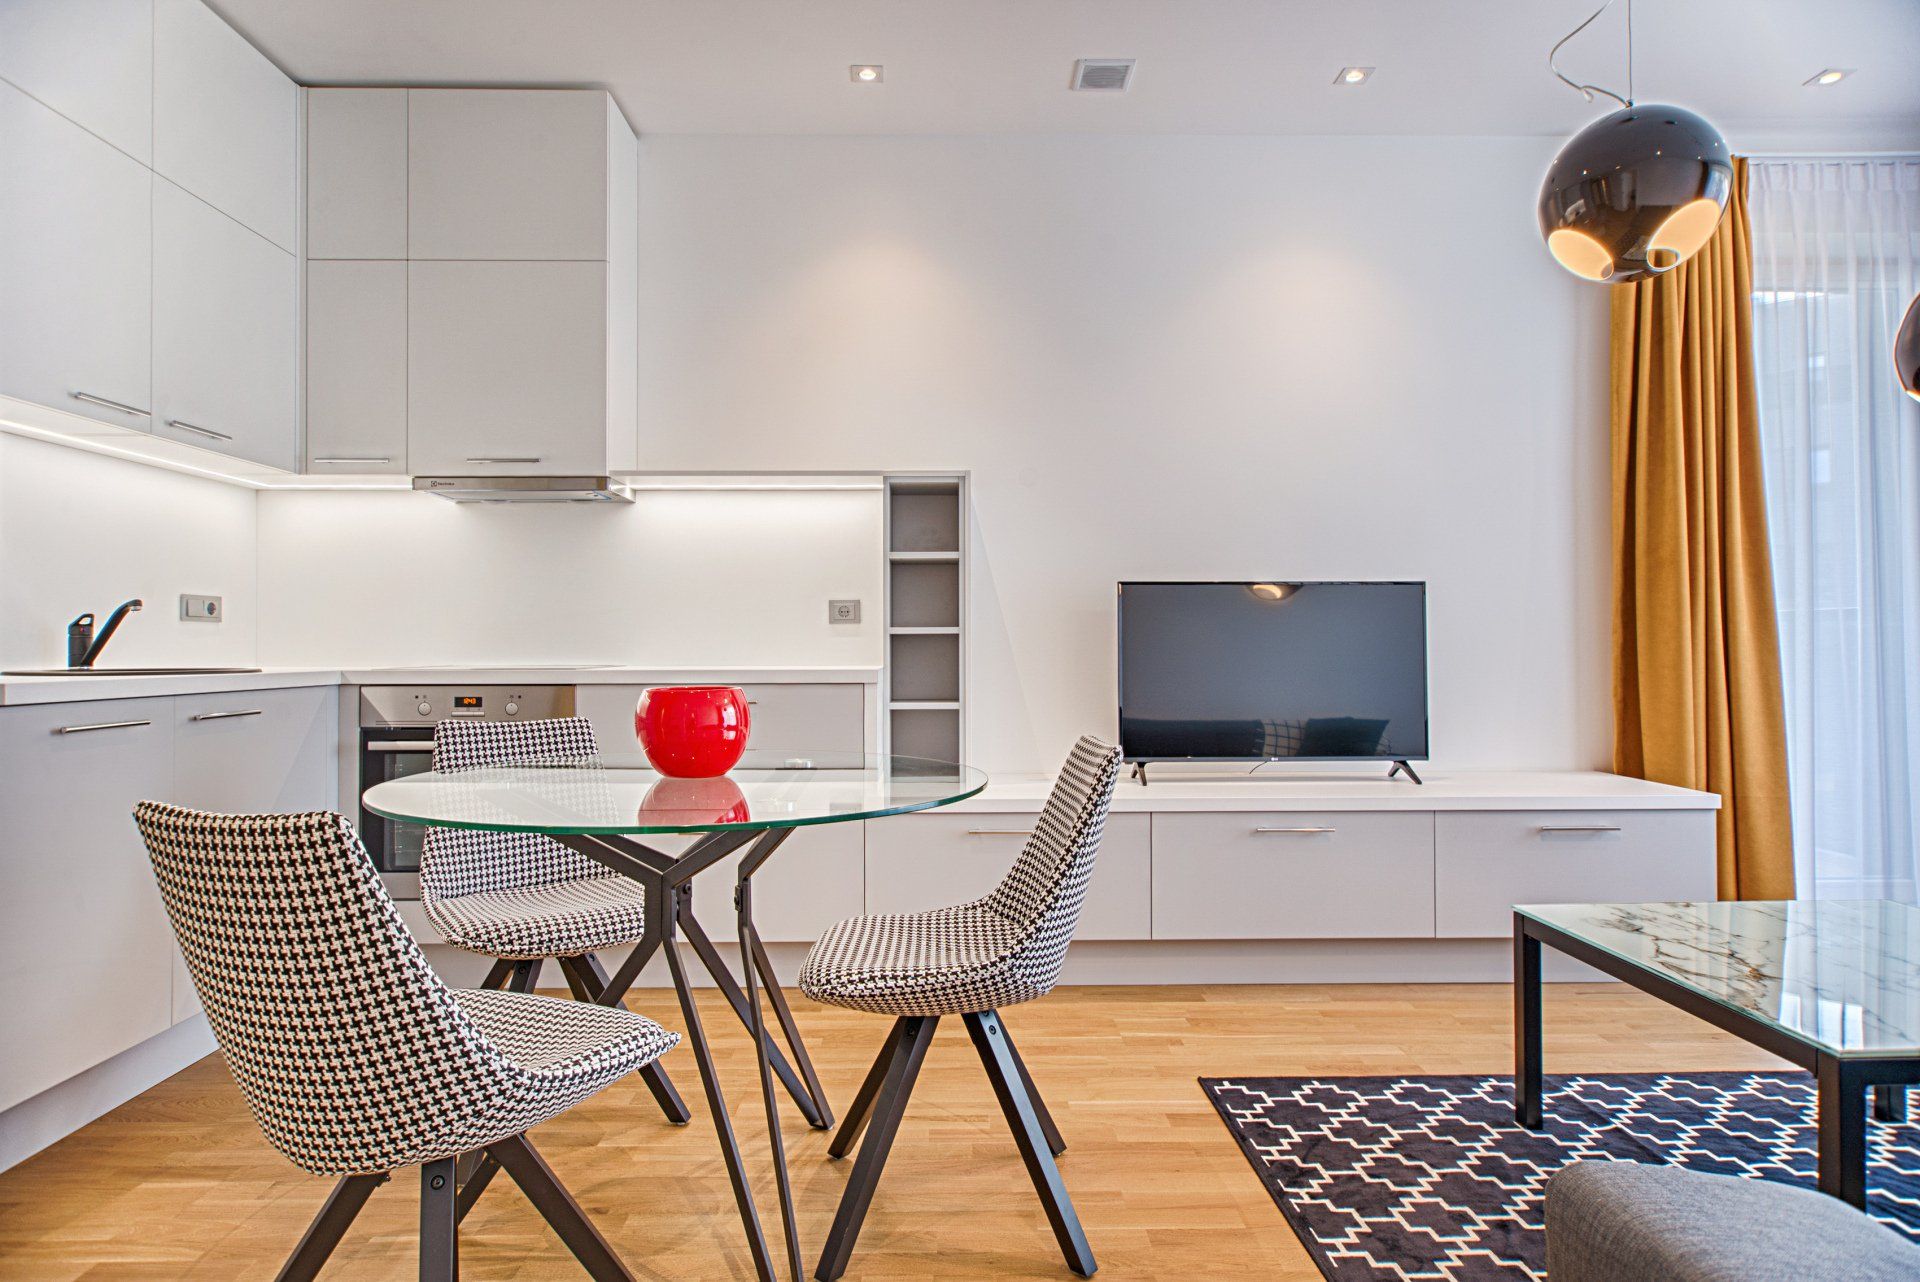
(100, 725)
(1546, 828)
(222, 716)
(999, 832)
(1313, 830)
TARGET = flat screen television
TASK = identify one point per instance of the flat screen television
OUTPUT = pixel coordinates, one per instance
(1271, 671)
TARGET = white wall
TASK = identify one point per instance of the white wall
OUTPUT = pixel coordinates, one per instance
(697, 577)
(81, 531)
(1171, 357)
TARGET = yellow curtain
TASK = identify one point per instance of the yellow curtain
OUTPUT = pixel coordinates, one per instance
(1696, 652)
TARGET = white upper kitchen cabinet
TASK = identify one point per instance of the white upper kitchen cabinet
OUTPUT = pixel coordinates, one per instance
(356, 366)
(506, 369)
(225, 120)
(89, 60)
(504, 173)
(84, 941)
(356, 173)
(226, 325)
(76, 266)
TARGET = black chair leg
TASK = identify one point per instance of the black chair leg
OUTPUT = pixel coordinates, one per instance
(557, 1206)
(439, 1222)
(499, 976)
(857, 1113)
(317, 1243)
(914, 1034)
(1054, 1143)
(996, 1053)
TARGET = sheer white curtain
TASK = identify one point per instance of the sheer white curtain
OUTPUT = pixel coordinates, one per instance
(1836, 258)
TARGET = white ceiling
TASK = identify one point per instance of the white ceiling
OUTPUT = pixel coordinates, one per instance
(1205, 66)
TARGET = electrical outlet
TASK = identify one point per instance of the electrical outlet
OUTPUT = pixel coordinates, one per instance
(843, 612)
(201, 609)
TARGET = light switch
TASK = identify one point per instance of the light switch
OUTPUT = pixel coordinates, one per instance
(843, 612)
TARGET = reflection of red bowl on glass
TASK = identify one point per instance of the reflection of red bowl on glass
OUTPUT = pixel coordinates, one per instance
(692, 732)
(695, 801)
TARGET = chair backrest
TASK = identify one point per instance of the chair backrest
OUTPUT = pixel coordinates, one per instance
(351, 1052)
(1047, 884)
(460, 861)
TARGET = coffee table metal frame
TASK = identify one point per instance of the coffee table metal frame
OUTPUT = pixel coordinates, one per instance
(1842, 1081)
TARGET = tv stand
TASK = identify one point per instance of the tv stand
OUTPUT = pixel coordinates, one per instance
(1139, 773)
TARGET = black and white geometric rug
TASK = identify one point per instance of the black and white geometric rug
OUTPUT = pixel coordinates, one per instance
(1429, 1177)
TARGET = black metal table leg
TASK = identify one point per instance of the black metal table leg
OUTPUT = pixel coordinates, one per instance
(730, 989)
(722, 1124)
(756, 1025)
(1527, 1069)
(1843, 1130)
(1890, 1103)
(791, 1031)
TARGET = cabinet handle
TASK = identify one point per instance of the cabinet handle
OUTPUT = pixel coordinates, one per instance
(999, 832)
(185, 426)
(91, 399)
(1297, 830)
(1579, 828)
(534, 459)
(100, 725)
(222, 716)
(384, 458)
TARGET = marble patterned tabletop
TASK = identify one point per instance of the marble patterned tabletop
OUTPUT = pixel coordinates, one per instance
(1841, 974)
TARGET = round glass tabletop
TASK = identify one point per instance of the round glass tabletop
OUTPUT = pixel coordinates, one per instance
(623, 794)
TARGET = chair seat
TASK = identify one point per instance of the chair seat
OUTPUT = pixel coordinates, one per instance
(565, 1051)
(949, 961)
(558, 919)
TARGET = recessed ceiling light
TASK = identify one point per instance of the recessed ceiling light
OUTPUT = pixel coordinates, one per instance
(1353, 75)
(866, 73)
(1829, 76)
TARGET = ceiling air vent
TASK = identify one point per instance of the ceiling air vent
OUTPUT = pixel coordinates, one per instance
(1107, 74)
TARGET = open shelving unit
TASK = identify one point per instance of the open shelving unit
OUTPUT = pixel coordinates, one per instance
(926, 612)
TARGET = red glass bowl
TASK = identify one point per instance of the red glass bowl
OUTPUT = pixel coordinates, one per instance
(692, 732)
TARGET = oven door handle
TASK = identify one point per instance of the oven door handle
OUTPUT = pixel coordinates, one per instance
(399, 745)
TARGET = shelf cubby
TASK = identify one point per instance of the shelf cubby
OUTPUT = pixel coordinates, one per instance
(926, 544)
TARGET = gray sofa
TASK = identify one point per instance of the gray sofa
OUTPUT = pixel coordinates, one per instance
(1624, 1222)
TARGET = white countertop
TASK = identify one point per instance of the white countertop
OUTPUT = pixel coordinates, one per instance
(1457, 790)
(25, 690)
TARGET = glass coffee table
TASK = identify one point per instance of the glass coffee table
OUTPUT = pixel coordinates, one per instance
(1831, 985)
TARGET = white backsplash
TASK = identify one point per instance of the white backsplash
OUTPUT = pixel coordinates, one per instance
(82, 531)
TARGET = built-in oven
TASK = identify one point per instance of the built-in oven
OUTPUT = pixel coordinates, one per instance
(396, 740)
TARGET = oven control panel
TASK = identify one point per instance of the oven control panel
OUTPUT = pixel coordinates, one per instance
(425, 705)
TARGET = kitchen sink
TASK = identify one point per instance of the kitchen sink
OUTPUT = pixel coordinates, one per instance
(118, 672)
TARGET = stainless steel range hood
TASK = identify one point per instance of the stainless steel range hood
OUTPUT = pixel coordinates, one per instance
(526, 489)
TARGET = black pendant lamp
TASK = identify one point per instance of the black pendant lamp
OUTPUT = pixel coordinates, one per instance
(1636, 192)
(1906, 350)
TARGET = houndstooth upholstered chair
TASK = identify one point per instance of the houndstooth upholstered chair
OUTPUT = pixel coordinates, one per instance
(355, 1058)
(521, 898)
(969, 961)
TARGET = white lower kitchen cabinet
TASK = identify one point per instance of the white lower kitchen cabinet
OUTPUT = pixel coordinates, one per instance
(790, 719)
(813, 881)
(226, 326)
(936, 859)
(1293, 875)
(252, 752)
(1487, 862)
(76, 267)
(84, 941)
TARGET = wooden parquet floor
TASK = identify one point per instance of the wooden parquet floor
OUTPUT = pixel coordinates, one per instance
(180, 1184)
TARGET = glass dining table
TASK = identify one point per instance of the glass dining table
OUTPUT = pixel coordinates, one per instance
(603, 808)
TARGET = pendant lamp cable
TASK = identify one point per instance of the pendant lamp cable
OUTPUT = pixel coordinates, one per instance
(1587, 91)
